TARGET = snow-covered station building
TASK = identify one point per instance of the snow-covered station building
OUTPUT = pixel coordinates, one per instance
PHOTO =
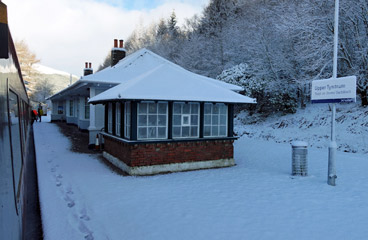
(71, 104)
(154, 115)
(165, 118)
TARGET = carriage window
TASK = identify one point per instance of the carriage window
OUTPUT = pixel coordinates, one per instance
(15, 138)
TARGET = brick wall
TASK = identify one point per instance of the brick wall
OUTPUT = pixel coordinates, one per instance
(147, 154)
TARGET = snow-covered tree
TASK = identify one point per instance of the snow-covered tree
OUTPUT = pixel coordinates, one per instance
(43, 89)
(269, 99)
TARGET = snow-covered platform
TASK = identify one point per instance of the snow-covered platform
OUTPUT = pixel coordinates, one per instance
(81, 198)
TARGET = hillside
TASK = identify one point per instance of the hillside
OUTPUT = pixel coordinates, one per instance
(57, 78)
(313, 125)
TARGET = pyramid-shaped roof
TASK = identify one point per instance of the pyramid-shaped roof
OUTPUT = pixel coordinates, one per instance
(140, 62)
(162, 80)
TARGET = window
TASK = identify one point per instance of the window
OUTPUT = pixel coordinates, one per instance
(185, 120)
(60, 108)
(152, 120)
(16, 140)
(109, 118)
(71, 108)
(86, 108)
(117, 119)
(127, 118)
(215, 120)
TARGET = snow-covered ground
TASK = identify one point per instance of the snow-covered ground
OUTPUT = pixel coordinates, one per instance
(312, 125)
(81, 198)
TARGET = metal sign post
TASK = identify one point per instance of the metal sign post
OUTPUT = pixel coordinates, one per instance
(334, 90)
(331, 177)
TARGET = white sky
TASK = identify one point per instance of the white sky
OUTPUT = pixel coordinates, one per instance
(64, 34)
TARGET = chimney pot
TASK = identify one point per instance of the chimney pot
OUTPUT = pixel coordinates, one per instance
(115, 43)
(88, 70)
(121, 43)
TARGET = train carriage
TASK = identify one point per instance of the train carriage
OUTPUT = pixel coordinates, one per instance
(19, 206)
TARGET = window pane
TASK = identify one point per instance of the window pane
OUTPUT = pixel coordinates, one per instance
(215, 120)
(207, 119)
(185, 119)
(223, 120)
(214, 130)
(207, 131)
(142, 107)
(162, 108)
(194, 120)
(207, 108)
(152, 132)
(185, 131)
(176, 131)
(152, 120)
(142, 120)
(215, 109)
(177, 120)
(177, 108)
(194, 132)
(162, 132)
(223, 109)
(186, 108)
(142, 132)
(194, 109)
(161, 120)
(152, 108)
(223, 131)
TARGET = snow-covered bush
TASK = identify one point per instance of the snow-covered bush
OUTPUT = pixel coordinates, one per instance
(271, 96)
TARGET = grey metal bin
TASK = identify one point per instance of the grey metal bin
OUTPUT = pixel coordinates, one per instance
(299, 166)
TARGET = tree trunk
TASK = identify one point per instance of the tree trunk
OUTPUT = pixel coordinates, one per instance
(363, 96)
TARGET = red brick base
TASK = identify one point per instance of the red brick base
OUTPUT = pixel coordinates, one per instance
(147, 154)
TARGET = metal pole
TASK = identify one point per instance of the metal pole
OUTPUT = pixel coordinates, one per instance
(333, 146)
(336, 38)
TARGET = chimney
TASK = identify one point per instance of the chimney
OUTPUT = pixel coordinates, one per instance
(88, 69)
(117, 53)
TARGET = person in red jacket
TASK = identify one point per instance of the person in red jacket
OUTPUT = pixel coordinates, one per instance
(34, 115)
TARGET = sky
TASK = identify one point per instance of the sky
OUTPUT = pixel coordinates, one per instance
(64, 34)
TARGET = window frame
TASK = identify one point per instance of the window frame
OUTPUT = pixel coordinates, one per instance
(212, 116)
(182, 116)
(86, 108)
(127, 119)
(148, 115)
(109, 117)
(118, 119)
(71, 108)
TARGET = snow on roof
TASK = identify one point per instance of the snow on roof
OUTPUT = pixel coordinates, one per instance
(172, 83)
(140, 62)
(133, 66)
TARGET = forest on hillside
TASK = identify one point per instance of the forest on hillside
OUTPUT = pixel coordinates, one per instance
(273, 48)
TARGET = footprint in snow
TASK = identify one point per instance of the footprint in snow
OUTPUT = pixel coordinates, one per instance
(83, 215)
(58, 183)
(70, 202)
(84, 229)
